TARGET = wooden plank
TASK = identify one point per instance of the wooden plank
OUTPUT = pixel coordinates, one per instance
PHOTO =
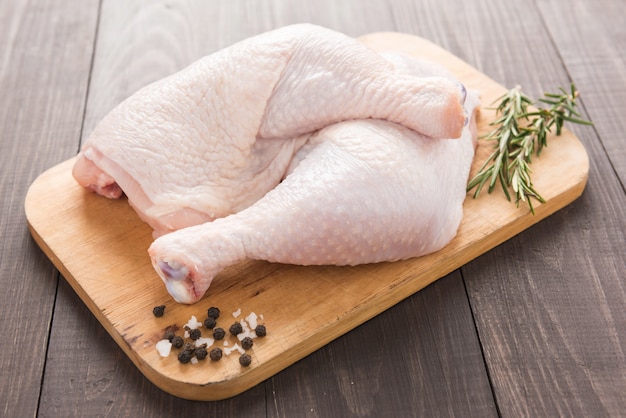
(119, 285)
(474, 33)
(138, 42)
(45, 55)
(192, 30)
(88, 375)
(549, 303)
(323, 384)
(595, 59)
(420, 358)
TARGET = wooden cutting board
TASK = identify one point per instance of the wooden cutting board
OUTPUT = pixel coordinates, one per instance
(99, 245)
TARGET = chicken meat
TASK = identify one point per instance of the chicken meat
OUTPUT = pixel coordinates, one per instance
(299, 146)
(359, 191)
(214, 138)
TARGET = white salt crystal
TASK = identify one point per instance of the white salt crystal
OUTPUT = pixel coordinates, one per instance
(237, 313)
(204, 340)
(245, 334)
(252, 318)
(235, 347)
(164, 347)
(193, 323)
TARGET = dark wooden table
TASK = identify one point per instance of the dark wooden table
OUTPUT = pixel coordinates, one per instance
(535, 327)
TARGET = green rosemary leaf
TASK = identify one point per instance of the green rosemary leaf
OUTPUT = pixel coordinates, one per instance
(503, 181)
(509, 163)
(577, 120)
(547, 101)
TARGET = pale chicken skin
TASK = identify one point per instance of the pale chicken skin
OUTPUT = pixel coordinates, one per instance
(357, 192)
(214, 138)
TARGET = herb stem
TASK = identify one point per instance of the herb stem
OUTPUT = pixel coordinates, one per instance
(519, 134)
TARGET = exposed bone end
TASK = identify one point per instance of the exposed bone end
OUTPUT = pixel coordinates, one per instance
(178, 279)
(186, 280)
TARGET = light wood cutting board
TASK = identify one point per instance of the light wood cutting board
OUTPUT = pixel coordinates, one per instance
(99, 246)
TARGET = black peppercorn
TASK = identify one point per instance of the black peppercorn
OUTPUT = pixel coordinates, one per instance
(213, 312)
(260, 331)
(247, 343)
(216, 354)
(236, 328)
(177, 341)
(245, 360)
(185, 356)
(219, 333)
(169, 335)
(201, 353)
(189, 347)
(158, 311)
(210, 322)
(194, 334)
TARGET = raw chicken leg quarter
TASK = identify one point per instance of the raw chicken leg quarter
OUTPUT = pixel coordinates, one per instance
(203, 153)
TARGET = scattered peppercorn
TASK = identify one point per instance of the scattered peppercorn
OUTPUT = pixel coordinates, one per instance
(158, 311)
(236, 328)
(245, 360)
(219, 333)
(213, 312)
(216, 354)
(185, 356)
(189, 350)
(201, 353)
(189, 347)
(247, 343)
(210, 322)
(260, 331)
(177, 341)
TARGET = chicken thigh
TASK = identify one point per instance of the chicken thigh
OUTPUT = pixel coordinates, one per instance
(360, 191)
(214, 138)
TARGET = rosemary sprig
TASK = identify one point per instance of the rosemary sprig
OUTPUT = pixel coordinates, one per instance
(519, 134)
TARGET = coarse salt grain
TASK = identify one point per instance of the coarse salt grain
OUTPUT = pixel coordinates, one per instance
(251, 319)
(193, 323)
(245, 334)
(237, 313)
(204, 340)
(164, 347)
(235, 347)
(194, 360)
(244, 325)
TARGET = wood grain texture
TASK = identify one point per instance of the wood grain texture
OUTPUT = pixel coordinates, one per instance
(45, 54)
(389, 366)
(595, 59)
(561, 315)
(549, 303)
(88, 375)
(101, 250)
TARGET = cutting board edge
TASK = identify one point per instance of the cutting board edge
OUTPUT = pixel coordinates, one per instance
(361, 314)
(370, 308)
